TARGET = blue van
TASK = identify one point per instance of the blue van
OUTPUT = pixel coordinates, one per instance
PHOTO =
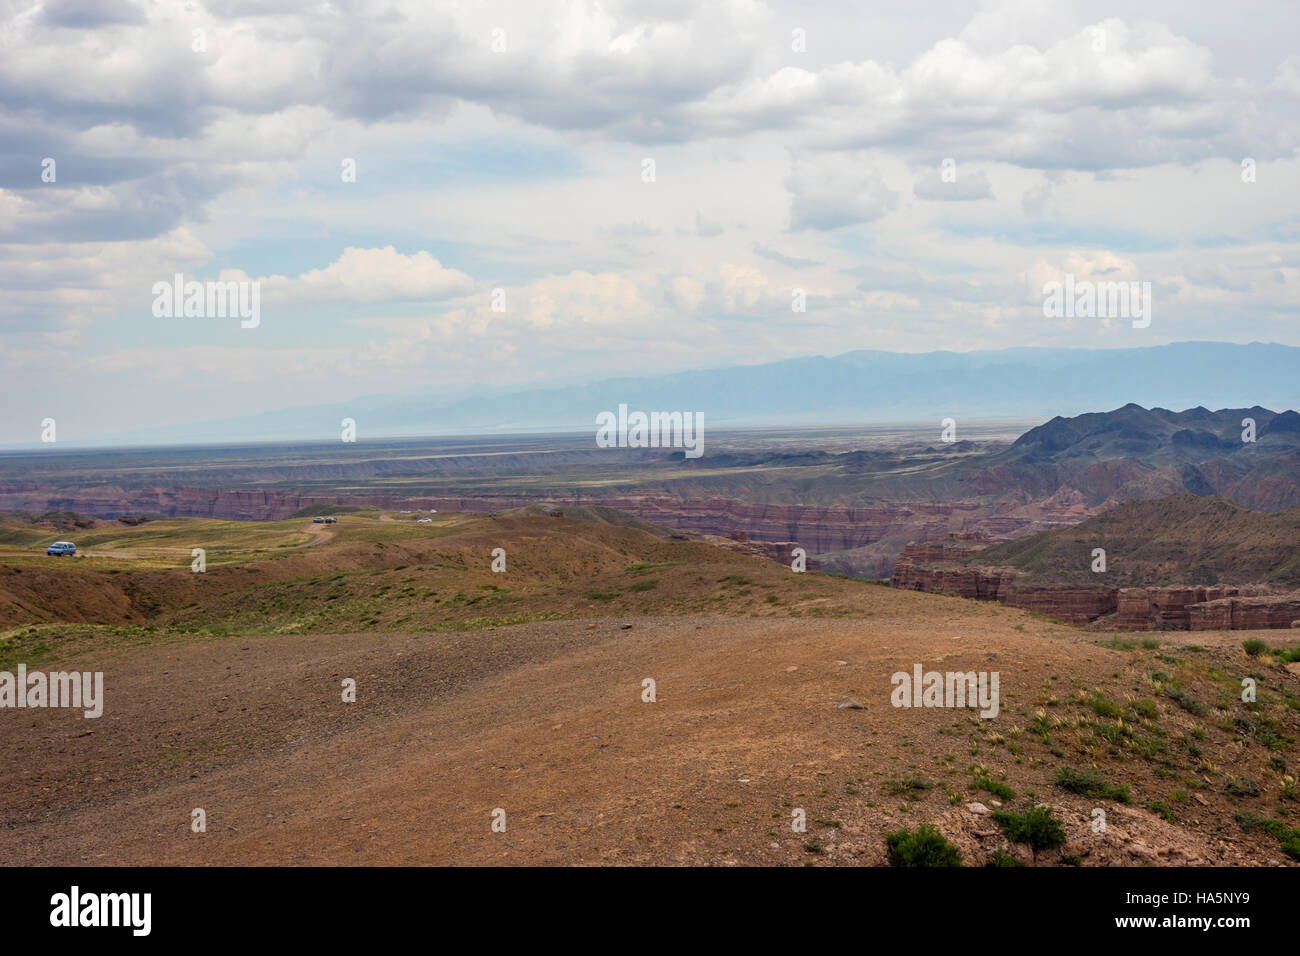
(61, 547)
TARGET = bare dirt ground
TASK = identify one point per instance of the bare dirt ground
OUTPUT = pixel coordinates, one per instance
(546, 721)
(320, 533)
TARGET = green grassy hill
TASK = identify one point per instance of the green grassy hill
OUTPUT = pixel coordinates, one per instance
(383, 572)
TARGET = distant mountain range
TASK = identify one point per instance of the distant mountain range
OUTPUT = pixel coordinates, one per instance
(856, 387)
(1249, 455)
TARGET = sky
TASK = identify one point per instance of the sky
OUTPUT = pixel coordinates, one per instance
(637, 187)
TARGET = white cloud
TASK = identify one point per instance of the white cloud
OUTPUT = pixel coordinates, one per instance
(835, 190)
(368, 276)
(1083, 144)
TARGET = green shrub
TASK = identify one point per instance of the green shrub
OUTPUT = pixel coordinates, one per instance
(1288, 837)
(1145, 709)
(1088, 783)
(1103, 706)
(1113, 734)
(1241, 787)
(1186, 701)
(1254, 647)
(926, 847)
(1005, 859)
(1037, 827)
(995, 787)
(907, 787)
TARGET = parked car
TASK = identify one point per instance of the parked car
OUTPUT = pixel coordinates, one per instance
(318, 520)
(425, 521)
(331, 520)
(60, 548)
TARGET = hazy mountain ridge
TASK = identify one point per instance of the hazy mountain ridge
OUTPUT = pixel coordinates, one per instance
(858, 386)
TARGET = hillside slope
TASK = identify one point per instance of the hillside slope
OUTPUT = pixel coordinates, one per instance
(1182, 539)
(526, 692)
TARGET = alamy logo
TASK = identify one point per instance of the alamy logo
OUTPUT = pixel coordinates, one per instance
(656, 430)
(208, 300)
(1098, 300)
(103, 909)
(79, 690)
(951, 689)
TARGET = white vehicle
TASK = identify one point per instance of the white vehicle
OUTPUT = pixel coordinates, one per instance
(425, 521)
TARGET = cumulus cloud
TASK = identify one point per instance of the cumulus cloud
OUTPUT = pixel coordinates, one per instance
(834, 191)
(511, 159)
(1093, 266)
(371, 275)
(1287, 79)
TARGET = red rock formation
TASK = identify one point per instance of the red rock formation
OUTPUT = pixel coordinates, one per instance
(1133, 609)
(1172, 608)
(928, 567)
(931, 566)
(1245, 613)
(1078, 605)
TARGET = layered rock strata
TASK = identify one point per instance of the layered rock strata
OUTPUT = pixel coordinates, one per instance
(939, 567)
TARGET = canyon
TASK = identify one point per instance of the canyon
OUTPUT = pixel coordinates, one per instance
(932, 567)
(852, 497)
(859, 541)
(1179, 563)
